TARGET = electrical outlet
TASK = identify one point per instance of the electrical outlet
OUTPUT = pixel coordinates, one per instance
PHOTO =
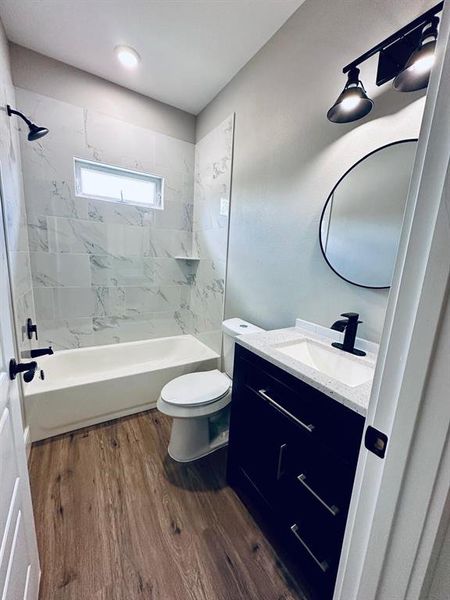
(224, 207)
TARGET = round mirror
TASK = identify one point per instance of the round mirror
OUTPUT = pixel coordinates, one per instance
(362, 218)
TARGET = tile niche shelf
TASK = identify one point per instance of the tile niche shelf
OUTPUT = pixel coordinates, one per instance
(188, 258)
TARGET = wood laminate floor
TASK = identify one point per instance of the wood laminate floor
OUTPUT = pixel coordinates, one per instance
(117, 519)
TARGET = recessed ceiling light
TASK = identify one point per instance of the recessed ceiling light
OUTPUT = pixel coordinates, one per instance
(128, 57)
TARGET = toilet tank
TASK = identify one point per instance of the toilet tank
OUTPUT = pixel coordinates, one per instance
(231, 329)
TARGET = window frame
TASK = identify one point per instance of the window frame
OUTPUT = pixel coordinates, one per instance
(113, 169)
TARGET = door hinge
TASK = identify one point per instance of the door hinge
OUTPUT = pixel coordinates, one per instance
(376, 441)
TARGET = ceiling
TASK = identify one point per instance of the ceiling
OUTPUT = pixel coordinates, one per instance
(190, 49)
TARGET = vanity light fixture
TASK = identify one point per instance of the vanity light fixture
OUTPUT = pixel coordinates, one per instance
(406, 56)
(352, 103)
(415, 75)
(127, 56)
(35, 132)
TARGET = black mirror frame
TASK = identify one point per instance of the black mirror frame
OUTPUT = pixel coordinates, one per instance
(368, 287)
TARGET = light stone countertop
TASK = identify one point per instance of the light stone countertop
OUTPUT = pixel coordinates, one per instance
(356, 398)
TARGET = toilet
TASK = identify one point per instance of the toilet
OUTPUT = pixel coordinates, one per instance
(198, 402)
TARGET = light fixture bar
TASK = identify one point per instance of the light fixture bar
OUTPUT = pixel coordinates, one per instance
(415, 24)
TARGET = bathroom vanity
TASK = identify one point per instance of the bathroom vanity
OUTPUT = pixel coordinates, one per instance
(295, 436)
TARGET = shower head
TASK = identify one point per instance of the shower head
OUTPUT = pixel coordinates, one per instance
(35, 132)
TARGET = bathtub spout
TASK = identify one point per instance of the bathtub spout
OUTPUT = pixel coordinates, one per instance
(41, 352)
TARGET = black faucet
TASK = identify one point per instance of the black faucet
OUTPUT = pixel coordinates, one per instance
(350, 326)
(41, 352)
(37, 352)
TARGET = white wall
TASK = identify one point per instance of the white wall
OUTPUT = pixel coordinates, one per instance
(50, 77)
(288, 157)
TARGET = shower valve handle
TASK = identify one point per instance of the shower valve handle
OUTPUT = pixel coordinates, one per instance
(31, 329)
(28, 369)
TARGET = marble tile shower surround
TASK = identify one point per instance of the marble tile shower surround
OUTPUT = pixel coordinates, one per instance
(105, 272)
(14, 203)
(213, 169)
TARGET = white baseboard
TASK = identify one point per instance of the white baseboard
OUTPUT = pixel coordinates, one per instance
(27, 441)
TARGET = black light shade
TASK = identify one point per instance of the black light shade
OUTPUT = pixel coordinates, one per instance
(35, 132)
(353, 102)
(415, 75)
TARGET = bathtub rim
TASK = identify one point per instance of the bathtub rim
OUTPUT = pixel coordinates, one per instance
(39, 387)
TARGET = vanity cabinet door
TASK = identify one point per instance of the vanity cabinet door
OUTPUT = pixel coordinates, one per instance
(258, 444)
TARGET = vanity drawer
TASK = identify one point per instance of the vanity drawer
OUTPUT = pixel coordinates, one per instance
(318, 473)
(322, 418)
(319, 568)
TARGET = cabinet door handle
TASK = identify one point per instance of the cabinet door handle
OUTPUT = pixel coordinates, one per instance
(264, 394)
(332, 509)
(322, 564)
(280, 461)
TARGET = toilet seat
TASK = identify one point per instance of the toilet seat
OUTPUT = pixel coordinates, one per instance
(196, 389)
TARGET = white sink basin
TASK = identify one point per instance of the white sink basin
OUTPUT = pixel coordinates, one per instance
(335, 363)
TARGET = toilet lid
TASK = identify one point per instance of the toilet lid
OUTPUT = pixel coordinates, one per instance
(195, 389)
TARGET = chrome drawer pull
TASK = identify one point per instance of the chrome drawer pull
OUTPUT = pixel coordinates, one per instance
(280, 461)
(323, 565)
(264, 394)
(333, 509)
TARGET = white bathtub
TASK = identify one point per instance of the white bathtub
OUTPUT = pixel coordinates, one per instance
(91, 385)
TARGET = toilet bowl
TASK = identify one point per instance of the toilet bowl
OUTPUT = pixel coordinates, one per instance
(198, 402)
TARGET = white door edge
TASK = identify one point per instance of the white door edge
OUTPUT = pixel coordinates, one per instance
(27, 441)
(413, 320)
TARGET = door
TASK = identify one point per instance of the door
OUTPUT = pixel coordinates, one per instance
(19, 562)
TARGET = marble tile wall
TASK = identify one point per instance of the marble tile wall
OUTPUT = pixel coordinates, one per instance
(13, 202)
(104, 272)
(212, 189)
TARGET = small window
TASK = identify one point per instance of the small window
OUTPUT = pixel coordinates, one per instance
(103, 182)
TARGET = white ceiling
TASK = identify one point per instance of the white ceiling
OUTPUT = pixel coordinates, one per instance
(190, 49)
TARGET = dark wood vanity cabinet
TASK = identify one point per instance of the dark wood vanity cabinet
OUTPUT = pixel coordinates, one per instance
(292, 458)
